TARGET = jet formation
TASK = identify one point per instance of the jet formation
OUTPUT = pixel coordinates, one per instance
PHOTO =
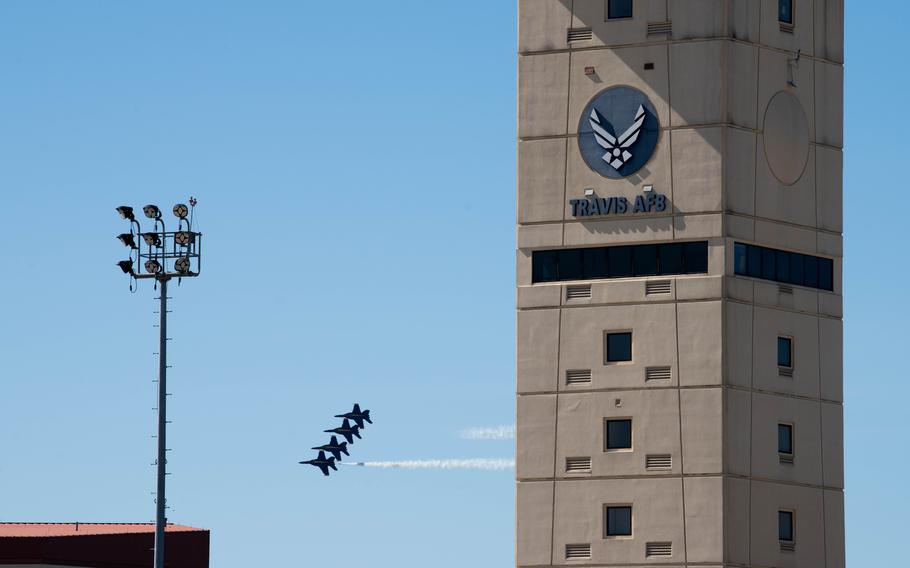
(348, 431)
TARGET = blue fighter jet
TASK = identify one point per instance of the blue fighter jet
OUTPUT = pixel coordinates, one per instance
(322, 463)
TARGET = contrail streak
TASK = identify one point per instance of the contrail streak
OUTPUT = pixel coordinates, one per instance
(497, 433)
(481, 464)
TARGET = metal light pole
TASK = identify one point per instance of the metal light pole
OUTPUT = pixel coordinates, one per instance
(167, 256)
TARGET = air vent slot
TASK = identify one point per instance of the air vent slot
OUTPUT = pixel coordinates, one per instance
(578, 377)
(578, 292)
(785, 289)
(786, 459)
(578, 551)
(578, 465)
(660, 28)
(653, 549)
(653, 287)
(788, 547)
(658, 374)
(580, 34)
(785, 371)
(786, 28)
(659, 461)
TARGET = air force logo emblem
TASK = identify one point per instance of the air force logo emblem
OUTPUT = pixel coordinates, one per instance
(618, 132)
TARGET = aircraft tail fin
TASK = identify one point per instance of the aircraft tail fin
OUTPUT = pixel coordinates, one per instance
(366, 416)
(356, 408)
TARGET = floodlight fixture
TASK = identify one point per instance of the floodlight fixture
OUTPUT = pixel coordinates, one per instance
(181, 211)
(126, 213)
(126, 266)
(183, 238)
(152, 211)
(128, 240)
(182, 265)
(152, 266)
(152, 239)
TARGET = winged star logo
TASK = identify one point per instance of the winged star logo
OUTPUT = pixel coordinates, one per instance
(618, 149)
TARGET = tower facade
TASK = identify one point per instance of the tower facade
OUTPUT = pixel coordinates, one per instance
(679, 270)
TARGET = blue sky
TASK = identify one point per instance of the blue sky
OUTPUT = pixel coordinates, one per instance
(355, 169)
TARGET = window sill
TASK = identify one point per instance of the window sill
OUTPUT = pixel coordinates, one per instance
(786, 459)
(785, 371)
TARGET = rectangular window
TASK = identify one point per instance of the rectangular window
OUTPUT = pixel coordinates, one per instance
(783, 266)
(619, 521)
(785, 11)
(623, 261)
(785, 352)
(785, 526)
(619, 347)
(785, 439)
(617, 9)
(619, 434)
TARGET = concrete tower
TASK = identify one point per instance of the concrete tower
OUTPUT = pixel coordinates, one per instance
(679, 283)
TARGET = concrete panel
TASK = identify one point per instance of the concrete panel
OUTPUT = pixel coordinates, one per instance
(739, 162)
(834, 530)
(523, 267)
(829, 182)
(803, 27)
(745, 21)
(834, 30)
(655, 430)
(740, 229)
(830, 245)
(737, 428)
(829, 104)
(535, 523)
(536, 436)
(696, 82)
(700, 343)
(740, 289)
(691, 227)
(698, 172)
(790, 203)
(737, 510)
(787, 237)
(631, 290)
(742, 84)
(592, 14)
(538, 341)
(779, 72)
(769, 324)
(699, 288)
(541, 180)
(705, 519)
(539, 296)
(833, 444)
(809, 525)
(832, 304)
(619, 231)
(542, 90)
(697, 19)
(653, 343)
(738, 343)
(831, 346)
(702, 429)
(805, 416)
(540, 236)
(656, 516)
(542, 25)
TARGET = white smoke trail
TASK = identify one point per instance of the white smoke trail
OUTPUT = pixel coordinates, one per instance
(497, 433)
(479, 463)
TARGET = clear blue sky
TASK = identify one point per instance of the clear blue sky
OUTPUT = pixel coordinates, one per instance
(355, 169)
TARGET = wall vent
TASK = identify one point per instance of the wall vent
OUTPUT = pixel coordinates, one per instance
(785, 289)
(787, 546)
(580, 34)
(578, 292)
(658, 374)
(578, 377)
(653, 287)
(578, 551)
(785, 371)
(786, 459)
(786, 28)
(659, 461)
(578, 465)
(653, 549)
(660, 28)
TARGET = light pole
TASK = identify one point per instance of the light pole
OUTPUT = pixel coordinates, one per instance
(167, 255)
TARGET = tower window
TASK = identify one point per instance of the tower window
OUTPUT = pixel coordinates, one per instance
(619, 521)
(782, 266)
(622, 261)
(619, 434)
(784, 11)
(785, 439)
(785, 352)
(619, 347)
(617, 9)
(785, 526)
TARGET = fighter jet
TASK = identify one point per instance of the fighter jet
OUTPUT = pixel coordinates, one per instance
(357, 416)
(346, 430)
(322, 463)
(335, 448)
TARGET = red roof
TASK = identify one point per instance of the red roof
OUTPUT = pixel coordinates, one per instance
(82, 529)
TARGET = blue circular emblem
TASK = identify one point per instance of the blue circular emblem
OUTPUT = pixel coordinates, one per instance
(618, 132)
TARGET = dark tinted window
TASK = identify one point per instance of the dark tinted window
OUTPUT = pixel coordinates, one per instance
(644, 259)
(785, 525)
(696, 257)
(826, 274)
(811, 271)
(620, 262)
(671, 259)
(545, 266)
(768, 264)
(784, 352)
(619, 521)
(753, 261)
(785, 439)
(595, 263)
(619, 347)
(739, 259)
(785, 11)
(619, 434)
(619, 9)
(797, 269)
(783, 266)
(570, 264)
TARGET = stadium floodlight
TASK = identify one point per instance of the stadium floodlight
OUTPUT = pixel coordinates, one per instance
(126, 212)
(181, 211)
(128, 240)
(182, 265)
(183, 238)
(126, 266)
(152, 239)
(152, 266)
(152, 211)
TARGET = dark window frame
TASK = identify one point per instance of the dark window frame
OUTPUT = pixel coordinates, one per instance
(611, 530)
(781, 340)
(608, 439)
(752, 261)
(625, 14)
(787, 449)
(786, 529)
(780, 12)
(619, 334)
